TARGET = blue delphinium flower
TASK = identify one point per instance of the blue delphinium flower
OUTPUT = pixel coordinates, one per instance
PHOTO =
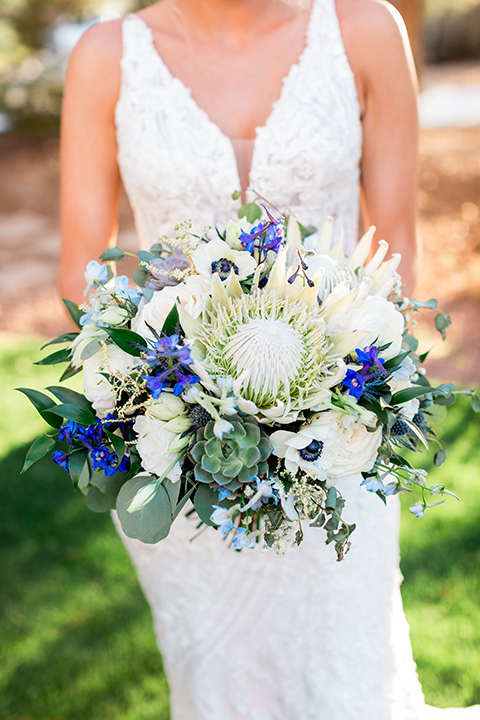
(156, 384)
(95, 274)
(418, 509)
(183, 382)
(222, 517)
(243, 539)
(369, 359)
(355, 382)
(101, 457)
(67, 432)
(124, 291)
(168, 347)
(247, 239)
(61, 458)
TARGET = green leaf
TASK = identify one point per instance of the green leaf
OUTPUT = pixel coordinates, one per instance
(331, 503)
(139, 276)
(413, 342)
(204, 500)
(424, 356)
(236, 194)
(250, 211)
(66, 337)
(153, 522)
(38, 450)
(76, 464)
(476, 402)
(171, 322)
(440, 457)
(80, 415)
(118, 444)
(69, 372)
(60, 356)
(397, 360)
(183, 502)
(173, 491)
(112, 254)
(126, 340)
(306, 230)
(403, 396)
(419, 305)
(98, 502)
(67, 395)
(442, 322)
(74, 311)
(145, 257)
(43, 404)
(445, 400)
(107, 484)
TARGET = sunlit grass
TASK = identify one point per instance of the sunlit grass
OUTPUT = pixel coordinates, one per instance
(76, 633)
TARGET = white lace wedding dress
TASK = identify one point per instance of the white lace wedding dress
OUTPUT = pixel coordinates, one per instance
(253, 635)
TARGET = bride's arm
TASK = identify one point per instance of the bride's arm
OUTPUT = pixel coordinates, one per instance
(378, 49)
(89, 177)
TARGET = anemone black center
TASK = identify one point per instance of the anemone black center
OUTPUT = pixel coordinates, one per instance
(313, 451)
(223, 268)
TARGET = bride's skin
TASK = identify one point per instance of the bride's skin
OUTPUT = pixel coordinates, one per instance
(233, 54)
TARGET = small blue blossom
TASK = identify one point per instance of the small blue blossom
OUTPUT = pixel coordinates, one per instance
(184, 381)
(61, 458)
(247, 239)
(369, 358)
(101, 457)
(373, 485)
(273, 238)
(124, 291)
(222, 516)
(67, 432)
(418, 509)
(242, 538)
(156, 384)
(355, 382)
(223, 492)
(95, 274)
(168, 347)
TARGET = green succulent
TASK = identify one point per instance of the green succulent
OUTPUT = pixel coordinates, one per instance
(233, 459)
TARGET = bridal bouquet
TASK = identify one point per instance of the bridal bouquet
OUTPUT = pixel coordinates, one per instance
(247, 375)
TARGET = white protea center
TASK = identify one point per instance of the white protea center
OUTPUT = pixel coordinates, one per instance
(271, 350)
(276, 345)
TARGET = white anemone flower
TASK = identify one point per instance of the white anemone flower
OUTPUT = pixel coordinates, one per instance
(331, 446)
(217, 256)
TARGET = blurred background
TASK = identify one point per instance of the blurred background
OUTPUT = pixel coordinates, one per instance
(76, 637)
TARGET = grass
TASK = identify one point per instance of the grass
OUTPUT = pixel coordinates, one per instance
(77, 641)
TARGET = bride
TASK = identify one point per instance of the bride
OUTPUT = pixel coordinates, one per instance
(312, 104)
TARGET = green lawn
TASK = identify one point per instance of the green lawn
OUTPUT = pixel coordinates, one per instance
(76, 635)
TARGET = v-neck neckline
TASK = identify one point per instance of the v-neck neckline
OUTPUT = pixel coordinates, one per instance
(259, 129)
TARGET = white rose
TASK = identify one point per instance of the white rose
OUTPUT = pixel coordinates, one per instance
(191, 294)
(378, 318)
(96, 387)
(346, 447)
(153, 443)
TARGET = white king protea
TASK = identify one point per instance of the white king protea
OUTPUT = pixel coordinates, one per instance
(276, 351)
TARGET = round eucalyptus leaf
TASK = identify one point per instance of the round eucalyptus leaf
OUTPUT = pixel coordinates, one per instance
(204, 500)
(98, 502)
(153, 522)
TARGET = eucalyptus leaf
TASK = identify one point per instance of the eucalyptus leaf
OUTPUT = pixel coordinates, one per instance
(139, 276)
(440, 457)
(43, 404)
(98, 502)
(91, 348)
(251, 211)
(442, 322)
(204, 500)
(74, 311)
(145, 257)
(476, 402)
(112, 254)
(84, 477)
(331, 503)
(173, 491)
(80, 415)
(183, 502)
(107, 484)
(153, 522)
(38, 450)
(413, 342)
(420, 305)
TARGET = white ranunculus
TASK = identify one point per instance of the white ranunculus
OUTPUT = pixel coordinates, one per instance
(153, 445)
(96, 387)
(214, 251)
(191, 294)
(376, 317)
(348, 448)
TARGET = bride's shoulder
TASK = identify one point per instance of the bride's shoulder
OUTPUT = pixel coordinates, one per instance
(375, 40)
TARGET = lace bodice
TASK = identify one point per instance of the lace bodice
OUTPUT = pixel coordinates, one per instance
(177, 164)
(256, 636)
